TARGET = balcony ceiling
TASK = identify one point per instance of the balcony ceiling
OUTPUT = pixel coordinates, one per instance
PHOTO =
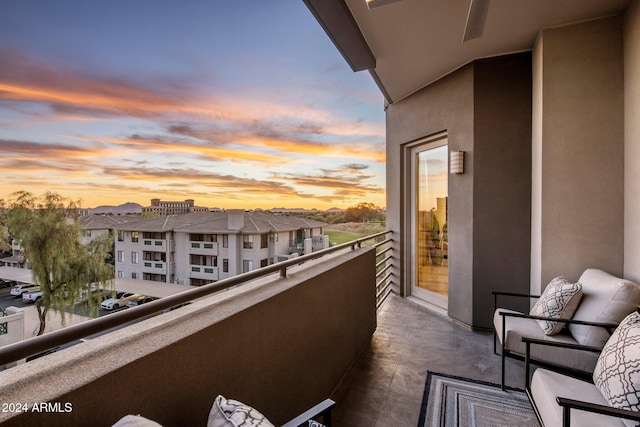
(416, 42)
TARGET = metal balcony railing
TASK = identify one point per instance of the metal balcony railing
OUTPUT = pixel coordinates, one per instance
(384, 269)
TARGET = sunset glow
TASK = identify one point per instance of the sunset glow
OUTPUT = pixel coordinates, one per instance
(190, 99)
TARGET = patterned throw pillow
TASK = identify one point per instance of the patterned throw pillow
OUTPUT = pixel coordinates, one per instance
(559, 299)
(231, 413)
(617, 373)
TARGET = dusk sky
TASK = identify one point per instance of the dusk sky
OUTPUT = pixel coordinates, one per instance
(236, 104)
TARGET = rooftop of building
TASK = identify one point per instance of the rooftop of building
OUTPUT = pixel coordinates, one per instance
(219, 222)
(101, 222)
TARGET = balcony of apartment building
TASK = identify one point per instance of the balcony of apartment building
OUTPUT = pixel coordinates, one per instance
(154, 267)
(203, 267)
(327, 328)
(282, 337)
(155, 263)
(159, 245)
(203, 244)
(203, 248)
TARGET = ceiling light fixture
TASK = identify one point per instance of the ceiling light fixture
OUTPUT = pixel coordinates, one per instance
(477, 17)
(372, 4)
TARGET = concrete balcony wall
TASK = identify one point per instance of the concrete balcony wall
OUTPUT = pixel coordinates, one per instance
(154, 245)
(203, 248)
(280, 345)
(154, 267)
(204, 272)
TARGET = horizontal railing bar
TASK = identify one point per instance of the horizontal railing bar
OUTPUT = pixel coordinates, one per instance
(382, 290)
(384, 261)
(389, 240)
(384, 251)
(36, 345)
(384, 297)
(384, 279)
(388, 266)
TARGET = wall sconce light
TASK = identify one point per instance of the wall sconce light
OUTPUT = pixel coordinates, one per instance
(456, 162)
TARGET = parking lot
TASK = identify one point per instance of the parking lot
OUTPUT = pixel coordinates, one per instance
(8, 300)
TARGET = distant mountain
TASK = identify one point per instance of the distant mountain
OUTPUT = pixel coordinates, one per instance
(126, 208)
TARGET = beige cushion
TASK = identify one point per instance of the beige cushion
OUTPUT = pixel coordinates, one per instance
(516, 328)
(231, 413)
(617, 373)
(547, 385)
(606, 299)
(560, 300)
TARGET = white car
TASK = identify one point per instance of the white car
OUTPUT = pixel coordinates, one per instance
(121, 299)
(18, 290)
(32, 296)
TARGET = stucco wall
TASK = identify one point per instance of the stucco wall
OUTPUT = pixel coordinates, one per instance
(580, 171)
(446, 105)
(501, 180)
(632, 142)
(280, 345)
(484, 108)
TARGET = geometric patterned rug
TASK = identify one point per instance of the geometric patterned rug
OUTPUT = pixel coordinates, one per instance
(451, 401)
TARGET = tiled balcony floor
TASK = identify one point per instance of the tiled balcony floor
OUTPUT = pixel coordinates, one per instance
(385, 386)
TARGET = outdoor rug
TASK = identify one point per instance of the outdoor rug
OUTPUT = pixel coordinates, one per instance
(450, 401)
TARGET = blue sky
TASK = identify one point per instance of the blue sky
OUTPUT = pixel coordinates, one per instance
(236, 104)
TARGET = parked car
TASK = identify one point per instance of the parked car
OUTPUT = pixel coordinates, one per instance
(6, 283)
(140, 300)
(121, 299)
(32, 296)
(98, 295)
(20, 289)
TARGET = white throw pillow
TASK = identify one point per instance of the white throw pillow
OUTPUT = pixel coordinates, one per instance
(617, 373)
(135, 421)
(560, 300)
(231, 413)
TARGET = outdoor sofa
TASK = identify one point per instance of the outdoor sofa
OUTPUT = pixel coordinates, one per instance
(611, 397)
(583, 313)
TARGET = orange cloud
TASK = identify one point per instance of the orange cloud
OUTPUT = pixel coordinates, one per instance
(360, 151)
(214, 153)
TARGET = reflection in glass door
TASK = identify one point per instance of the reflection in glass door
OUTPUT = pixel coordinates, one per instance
(430, 222)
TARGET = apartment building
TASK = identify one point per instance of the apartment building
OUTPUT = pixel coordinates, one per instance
(94, 226)
(165, 208)
(203, 247)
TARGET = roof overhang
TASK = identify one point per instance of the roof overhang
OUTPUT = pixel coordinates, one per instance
(408, 44)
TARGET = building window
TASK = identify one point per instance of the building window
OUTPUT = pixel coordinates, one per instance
(247, 265)
(225, 240)
(225, 265)
(120, 256)
(134, 275)
(135, 236)
(120, 274)
(247, 241)
(264, 241)
(86, 233)
(264, 262)
(120, 236)
(134, 258)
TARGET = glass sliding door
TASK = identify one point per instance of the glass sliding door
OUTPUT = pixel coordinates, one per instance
(429, 194)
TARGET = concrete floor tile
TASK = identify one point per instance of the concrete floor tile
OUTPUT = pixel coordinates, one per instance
(386, 384)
